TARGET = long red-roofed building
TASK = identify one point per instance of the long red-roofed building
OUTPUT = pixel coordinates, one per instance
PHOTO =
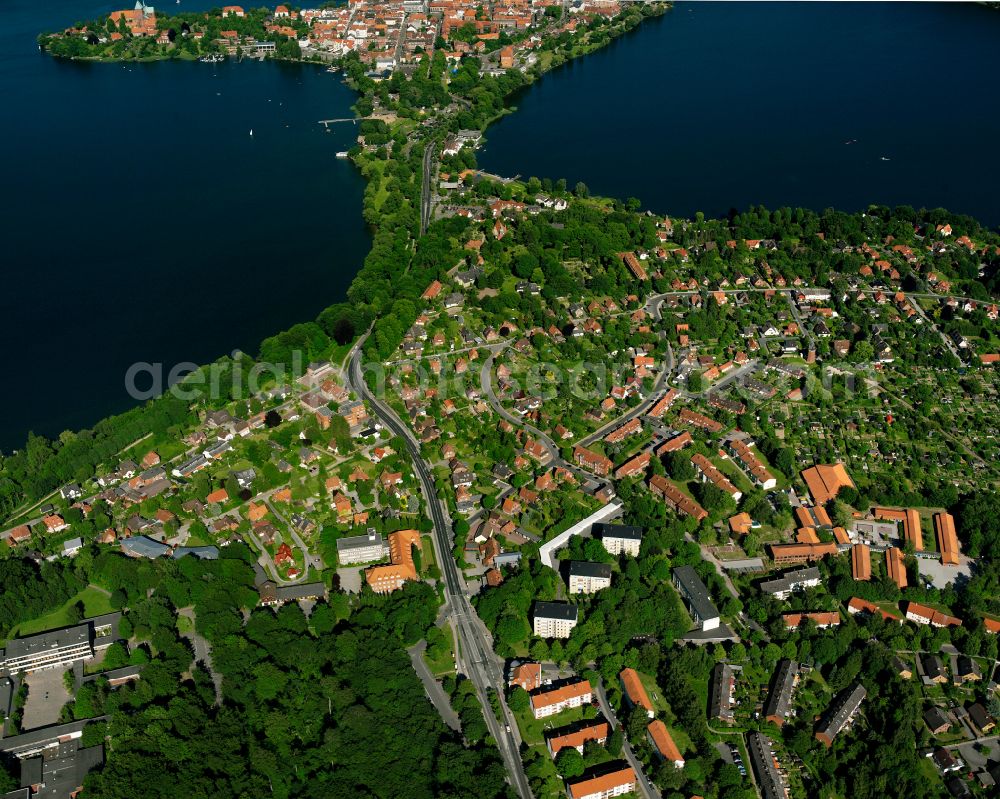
(576, 739)
(675, 498)
(614, 783)
(944, 528)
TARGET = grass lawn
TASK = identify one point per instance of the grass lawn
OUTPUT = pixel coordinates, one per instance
(655, 694)
(444, 664)
(427, 557)
(95, 602)
(185, 624)
(533, 730)
(195, 540)
(736, 477)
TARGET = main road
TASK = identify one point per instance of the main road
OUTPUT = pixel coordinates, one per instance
(476, 652)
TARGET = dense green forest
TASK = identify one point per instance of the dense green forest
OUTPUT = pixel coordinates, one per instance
(321, 706)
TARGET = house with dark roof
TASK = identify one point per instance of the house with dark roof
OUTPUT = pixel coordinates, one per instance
(721, 690)
(778, 706)
(691, 588)
(933, 668)
(841, 714)
(587, 578)
(936, 720)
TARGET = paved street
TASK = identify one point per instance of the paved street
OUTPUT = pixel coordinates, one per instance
(642, 783)
(476, 658)
(432, 687)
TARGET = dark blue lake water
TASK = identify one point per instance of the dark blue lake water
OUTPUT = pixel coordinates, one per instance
(723, 105)
(142, 222)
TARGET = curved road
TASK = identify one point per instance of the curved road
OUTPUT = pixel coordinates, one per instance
(476, 652)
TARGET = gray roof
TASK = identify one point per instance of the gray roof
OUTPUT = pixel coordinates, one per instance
(695, 592)
(779, 700)
(27, 741)
(584, 568)
(770, 781)
(289, 593)
(789, 580)
(719, 689)
(555, 610)
(843, 710)
(6, 696)
(506, 558)
(932, 665)
(125, 672)
(935, 718)
(202, 553)
(358, 542)
(603, 530)
(64, 773)
(143, 546)
(54, 639)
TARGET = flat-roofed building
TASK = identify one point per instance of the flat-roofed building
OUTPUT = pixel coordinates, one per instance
(840, 715)
(554, 619)
(778, 706)
(607, 785)
(362, 548)
(697, 598)
(788, 583)
(587, 578)
(861, 562)
(49, 650)
(551, 700)
(947, 540)
(619, 538)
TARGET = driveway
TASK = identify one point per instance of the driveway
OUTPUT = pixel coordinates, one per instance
(432, 687)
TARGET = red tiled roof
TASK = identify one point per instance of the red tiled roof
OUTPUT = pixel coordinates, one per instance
(635, 689)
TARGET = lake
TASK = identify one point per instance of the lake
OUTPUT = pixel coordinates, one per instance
(724, 105)
(143, 222)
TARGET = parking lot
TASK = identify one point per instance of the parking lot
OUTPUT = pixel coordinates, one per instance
(46, 696)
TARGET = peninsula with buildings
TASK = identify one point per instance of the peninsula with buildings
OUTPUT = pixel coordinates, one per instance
(571, 498)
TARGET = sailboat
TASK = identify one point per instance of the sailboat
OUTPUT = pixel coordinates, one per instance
(251, 132)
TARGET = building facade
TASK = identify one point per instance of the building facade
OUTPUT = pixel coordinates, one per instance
(554, 619)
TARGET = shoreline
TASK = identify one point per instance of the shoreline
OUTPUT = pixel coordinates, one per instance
(377, 228)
